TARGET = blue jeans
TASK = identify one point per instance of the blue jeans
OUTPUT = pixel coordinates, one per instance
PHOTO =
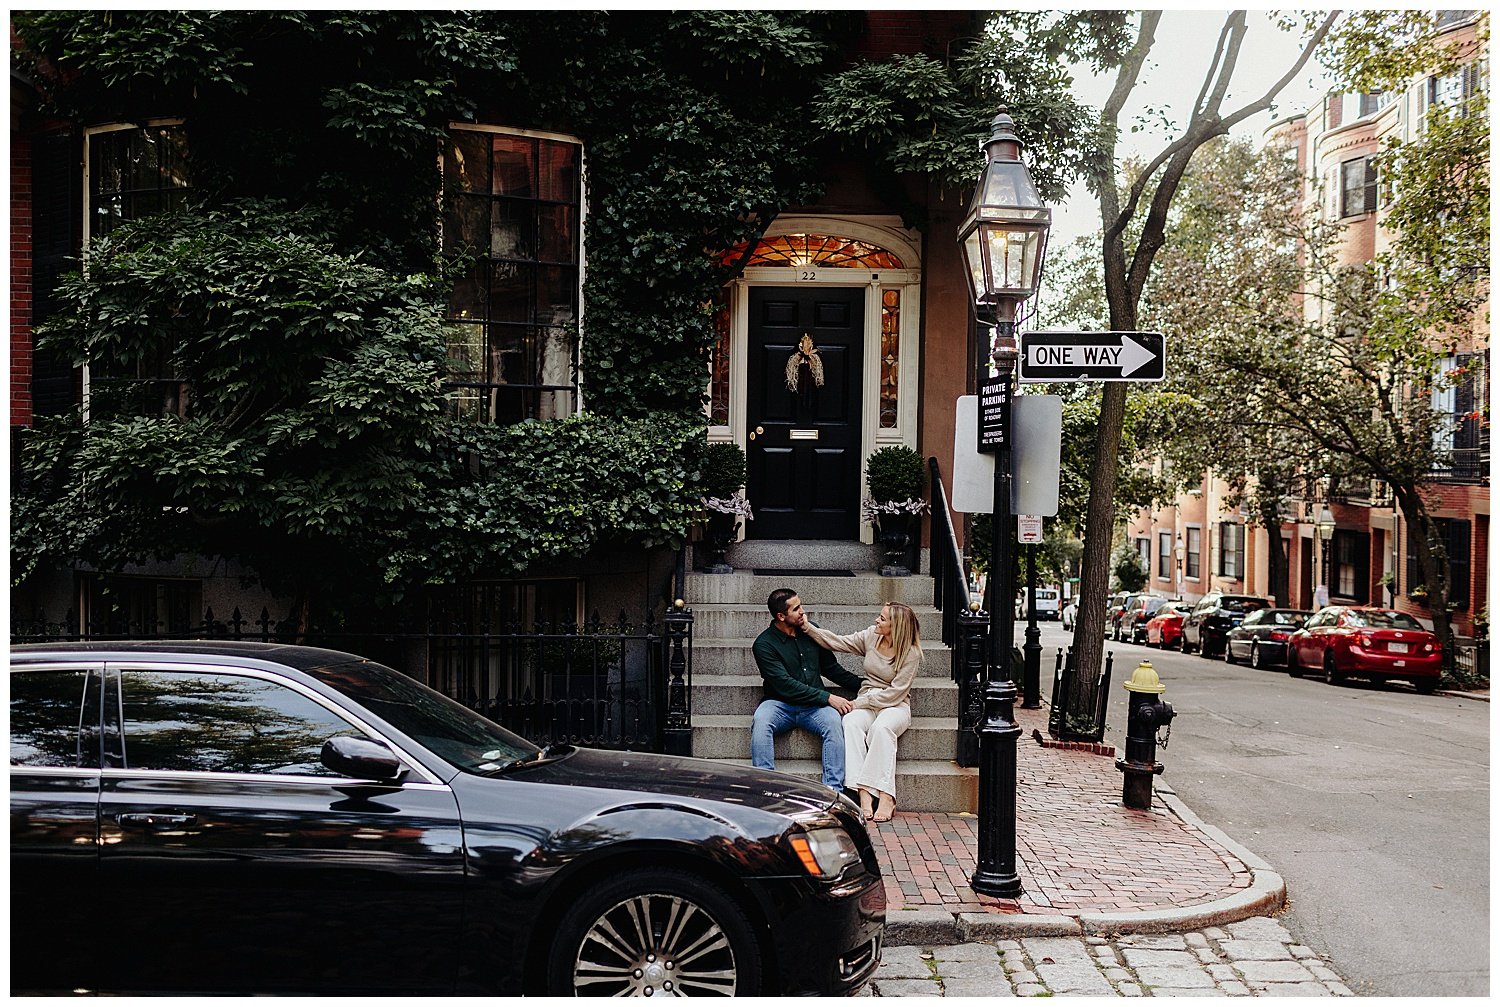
(773, 717)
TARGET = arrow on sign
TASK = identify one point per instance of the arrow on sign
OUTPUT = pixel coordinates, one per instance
(1093, 356)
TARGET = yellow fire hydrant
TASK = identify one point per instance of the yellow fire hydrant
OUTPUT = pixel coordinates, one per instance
(1148, 712)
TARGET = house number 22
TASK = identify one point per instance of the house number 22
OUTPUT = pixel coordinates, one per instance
(807, 274)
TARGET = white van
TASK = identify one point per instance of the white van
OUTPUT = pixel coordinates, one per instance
(1048, 603)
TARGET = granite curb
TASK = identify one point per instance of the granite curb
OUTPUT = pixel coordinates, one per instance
(1265, 895)
(1481, 697)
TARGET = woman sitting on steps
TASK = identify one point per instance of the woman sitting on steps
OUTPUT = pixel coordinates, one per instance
(892, 651)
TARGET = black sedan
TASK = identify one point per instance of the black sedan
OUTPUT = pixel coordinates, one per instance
(1207, 626)
(1262, 638)
(254, 818)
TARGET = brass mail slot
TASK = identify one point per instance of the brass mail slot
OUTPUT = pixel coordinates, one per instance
(803, 435)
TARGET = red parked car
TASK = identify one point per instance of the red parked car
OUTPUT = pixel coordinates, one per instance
(1164, 629)
(1373, 643)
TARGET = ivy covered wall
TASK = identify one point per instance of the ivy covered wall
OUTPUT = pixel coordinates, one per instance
(317, 134)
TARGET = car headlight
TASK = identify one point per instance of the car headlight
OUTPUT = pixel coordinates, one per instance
(824, 853)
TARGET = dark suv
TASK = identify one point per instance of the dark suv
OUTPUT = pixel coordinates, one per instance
(1133, 620)
(1114, 611)
(1206, 629)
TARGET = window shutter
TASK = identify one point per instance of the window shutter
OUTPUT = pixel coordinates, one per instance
(57, 229)
(1371, 184)
(1413, 568)
(1239, 553)
(1466, 434)
(1361, 566)
(1458, 563)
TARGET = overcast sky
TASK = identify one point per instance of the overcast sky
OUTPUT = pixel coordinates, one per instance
(1171, 80)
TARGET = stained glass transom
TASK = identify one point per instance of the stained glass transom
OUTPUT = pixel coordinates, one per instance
(718, 385)
(815, 250)
(890, 358)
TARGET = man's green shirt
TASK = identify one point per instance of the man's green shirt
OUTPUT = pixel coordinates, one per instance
(792, 668)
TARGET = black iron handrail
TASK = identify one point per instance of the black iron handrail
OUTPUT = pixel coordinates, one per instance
(950, 582)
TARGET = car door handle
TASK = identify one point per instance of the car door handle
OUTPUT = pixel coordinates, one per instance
(157, 821)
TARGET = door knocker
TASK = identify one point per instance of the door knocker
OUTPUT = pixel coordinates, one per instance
(807, 354)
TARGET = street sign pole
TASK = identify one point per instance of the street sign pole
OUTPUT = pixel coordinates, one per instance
(1031, 678)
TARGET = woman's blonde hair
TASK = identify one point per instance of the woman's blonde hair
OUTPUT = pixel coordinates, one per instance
(905, 633)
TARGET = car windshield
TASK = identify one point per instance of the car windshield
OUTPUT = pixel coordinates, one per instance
(1235, 603)
(1383, 620)
(1152, 604)
(447, 728)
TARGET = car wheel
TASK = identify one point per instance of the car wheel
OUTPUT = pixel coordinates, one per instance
(1293, 665)
(1182, 643)
(1228, 653)
(1426, 686)
(655, 932)
(1331, 671)
(1256, 661)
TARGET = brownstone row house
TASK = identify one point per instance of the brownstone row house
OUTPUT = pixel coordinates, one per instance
(1199, 544)
(888, 300)
(871, 272)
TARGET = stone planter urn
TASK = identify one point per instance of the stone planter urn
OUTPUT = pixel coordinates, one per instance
(895, 533)
(719, 535)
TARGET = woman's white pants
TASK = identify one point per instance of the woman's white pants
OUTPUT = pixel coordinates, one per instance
(870, 747)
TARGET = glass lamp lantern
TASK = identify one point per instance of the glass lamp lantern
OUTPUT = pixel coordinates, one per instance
(1004, 233)
(1325, 525)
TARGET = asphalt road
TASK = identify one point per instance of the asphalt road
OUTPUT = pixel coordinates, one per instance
(1372, 802)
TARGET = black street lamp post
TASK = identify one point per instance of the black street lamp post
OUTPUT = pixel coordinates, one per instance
(1180, 553)
(1003, 239)
(1325, 527)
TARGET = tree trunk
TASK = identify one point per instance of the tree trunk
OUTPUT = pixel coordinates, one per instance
(1432, 556)
(1088, 636)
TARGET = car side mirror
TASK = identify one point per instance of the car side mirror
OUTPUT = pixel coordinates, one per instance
(362, 759)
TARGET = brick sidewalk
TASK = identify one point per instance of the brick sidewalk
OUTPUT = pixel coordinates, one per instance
(1079, 848)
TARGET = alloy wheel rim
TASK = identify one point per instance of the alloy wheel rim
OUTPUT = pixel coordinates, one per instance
(655, 945)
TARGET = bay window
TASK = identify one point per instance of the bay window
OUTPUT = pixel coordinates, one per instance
(513, 213)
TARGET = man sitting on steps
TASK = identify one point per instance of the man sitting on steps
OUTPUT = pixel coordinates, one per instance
(792, 669)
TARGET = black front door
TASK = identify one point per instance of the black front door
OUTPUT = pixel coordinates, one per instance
(804, 438)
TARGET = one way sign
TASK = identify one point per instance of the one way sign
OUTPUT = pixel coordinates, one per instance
(1093, 356)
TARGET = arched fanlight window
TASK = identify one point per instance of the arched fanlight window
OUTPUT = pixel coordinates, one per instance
(795, 250)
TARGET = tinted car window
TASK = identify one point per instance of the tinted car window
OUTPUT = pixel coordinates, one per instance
(1285, 618)
(50, 720)
(223, 723)
(1235, 603)
(443, 726)
(1254, 619)
(1384, 620)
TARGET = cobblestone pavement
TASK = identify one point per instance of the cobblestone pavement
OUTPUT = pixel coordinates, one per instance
(1254, 957)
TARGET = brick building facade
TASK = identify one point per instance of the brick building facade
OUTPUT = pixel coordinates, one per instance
(1368, 560)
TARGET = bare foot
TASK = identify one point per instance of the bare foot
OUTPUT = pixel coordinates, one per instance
(867, 805)
(887, 808)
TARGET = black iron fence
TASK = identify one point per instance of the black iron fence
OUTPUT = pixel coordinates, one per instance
(620, 685)
(1085, 722)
